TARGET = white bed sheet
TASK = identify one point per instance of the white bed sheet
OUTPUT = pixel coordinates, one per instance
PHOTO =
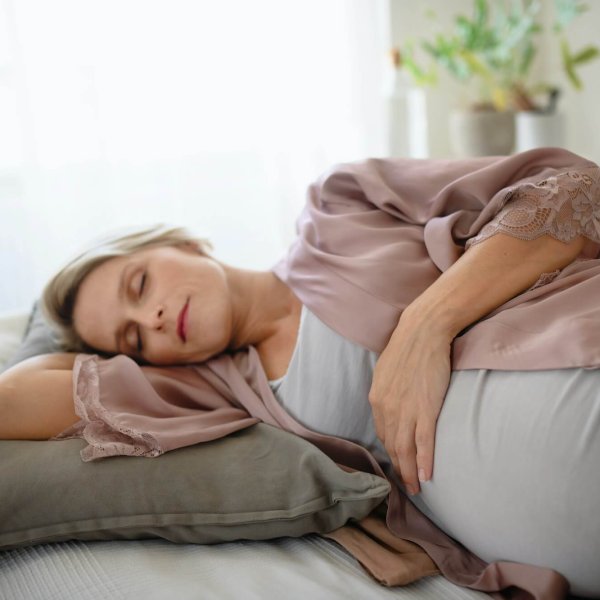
(290, 568)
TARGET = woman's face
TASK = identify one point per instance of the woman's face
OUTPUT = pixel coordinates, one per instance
(162, 305)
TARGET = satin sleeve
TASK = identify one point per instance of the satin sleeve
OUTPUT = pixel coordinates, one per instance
(131, 410)
(563, 206)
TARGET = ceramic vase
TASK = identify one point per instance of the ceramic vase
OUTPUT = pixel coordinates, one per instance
(537, 129)
(482, 132)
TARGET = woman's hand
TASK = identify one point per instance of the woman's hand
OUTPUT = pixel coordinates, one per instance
(413, 372)
(408, 389)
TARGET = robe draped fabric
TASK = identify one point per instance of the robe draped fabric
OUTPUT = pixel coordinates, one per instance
(373, 235)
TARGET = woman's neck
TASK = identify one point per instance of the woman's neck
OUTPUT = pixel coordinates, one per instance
(263, 307)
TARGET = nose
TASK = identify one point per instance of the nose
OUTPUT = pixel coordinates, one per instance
(152, 318)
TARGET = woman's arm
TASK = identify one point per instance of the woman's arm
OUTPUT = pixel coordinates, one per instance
(36, 398)
(412, 374)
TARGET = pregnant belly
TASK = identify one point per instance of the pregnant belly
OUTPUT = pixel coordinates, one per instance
(516, 473)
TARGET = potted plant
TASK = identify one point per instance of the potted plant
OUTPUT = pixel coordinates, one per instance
(494, 50)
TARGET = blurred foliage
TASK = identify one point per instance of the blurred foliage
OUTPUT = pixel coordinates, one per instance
(496, 47)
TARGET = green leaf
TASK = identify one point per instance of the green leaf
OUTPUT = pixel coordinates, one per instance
(481, 13)
(585, 55)
(474, 64)
(466, 31)
(526, 59)
(564, 51)
(460, 69)
(573, 77)
(419, 75)
(568, 64)
(566, 11)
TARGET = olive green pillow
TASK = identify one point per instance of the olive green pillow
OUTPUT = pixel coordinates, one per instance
(258, 483)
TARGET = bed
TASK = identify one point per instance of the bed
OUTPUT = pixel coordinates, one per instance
(289, 567)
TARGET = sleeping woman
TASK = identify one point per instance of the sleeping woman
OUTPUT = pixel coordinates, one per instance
(436, 312)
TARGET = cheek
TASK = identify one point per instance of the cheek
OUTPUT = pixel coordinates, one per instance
(159, 350)
(209, 333)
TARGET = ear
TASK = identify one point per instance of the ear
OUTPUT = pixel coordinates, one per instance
(191, 246)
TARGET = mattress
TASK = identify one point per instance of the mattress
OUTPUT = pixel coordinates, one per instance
(291, 568)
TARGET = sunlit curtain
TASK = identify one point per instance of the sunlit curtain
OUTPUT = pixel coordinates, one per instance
(215, 115)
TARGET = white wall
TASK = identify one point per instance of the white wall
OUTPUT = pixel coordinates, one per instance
(219, 126)
(409, 21)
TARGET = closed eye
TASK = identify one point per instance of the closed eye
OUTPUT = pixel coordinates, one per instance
(142, 283)
(139, 334)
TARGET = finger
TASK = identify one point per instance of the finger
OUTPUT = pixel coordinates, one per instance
(378, 417)
(425, 443)
(405, 453)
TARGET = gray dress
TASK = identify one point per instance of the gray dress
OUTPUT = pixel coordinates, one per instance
(516, 473)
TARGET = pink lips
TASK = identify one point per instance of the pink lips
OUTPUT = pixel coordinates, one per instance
(182, 321)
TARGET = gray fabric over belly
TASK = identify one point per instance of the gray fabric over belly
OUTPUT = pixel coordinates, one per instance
(516, 473)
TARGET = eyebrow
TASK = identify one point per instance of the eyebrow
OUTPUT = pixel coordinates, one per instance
(120, 294)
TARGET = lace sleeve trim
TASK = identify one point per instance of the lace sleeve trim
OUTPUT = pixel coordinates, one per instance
(99, 427)
(563, 206)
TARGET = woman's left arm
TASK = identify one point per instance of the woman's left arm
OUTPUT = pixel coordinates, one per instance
(413, 372)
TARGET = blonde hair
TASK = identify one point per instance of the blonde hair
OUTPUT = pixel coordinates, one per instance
(59, 294)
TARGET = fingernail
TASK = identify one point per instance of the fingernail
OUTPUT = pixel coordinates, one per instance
(422, 475)
(411, 490)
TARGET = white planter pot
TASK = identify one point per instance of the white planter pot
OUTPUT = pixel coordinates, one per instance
(482, 133)
(536, 130)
